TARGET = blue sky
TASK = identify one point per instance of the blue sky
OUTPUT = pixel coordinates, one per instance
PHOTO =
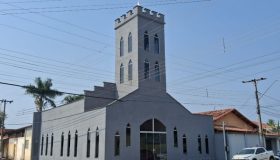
(52, 39)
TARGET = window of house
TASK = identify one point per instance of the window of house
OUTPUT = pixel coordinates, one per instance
(156, 44)
(130, 67)
(129, 43)
(97, 143)
(153, 140)
(51, 152)
(121, 47)
(26, 144)
(62, 144)
(157, 72)
(88, 142)
(199, 144)
(47, 142)
(68, 144)
(121, 73)
(42, 145)
(76, 144)
(146, 69)
(175, 137)
(146, 41)
(184, 144)
(206, 145)
(128, 135)
(117, 144)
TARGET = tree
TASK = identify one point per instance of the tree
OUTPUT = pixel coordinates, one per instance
(42, 93)
(271, 123)
(72, 98)
(2, 117)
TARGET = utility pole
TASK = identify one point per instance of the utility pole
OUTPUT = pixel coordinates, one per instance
(3, 125)
(258, 108)
(225, 141)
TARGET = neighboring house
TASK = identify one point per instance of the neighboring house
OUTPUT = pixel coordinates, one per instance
(133, 118)
(272, 139)
(240, 132)
(17, 143)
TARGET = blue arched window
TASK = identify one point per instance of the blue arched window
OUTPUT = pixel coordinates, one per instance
(88, 142)
(146, 69)
(121, 47)
(121, 73)
(130, 67)
(76, 144)
(129, 43)
(146, 41)
(156, 44)
(157, 72)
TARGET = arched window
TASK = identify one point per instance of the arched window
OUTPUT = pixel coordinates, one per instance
(121, 73)
(51, 145)
(156, 44)
(97, 143)
(42, 145)
(128, 135)
(153, 140)
(88, 142)
(68, 144)
(130, 67)
(184, 144)
(175, 136)
(157, 72)
(121, 47)
(47, 143)
(146, 41)
(76, 144)
(199, 144)
(206, 144)
(117, 144)
(61, 144)
(129, 43)
(146, 69)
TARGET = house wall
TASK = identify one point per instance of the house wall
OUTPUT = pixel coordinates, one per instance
(27, 143)
(164, 108)
(56, 123)
(232, 120)
(235, 142)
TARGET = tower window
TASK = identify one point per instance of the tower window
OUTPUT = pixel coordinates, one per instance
(117, 144)
(97, 143)
(146, 41)
(146, 69)
(206, 145)
(76, 144)
(157, 72)
(47, 143)
(129, 43)
(175, 134)
(199, 144)
(51, 145)
(88, 142)
(128, 135)
(121, 73)
(61, 144)
(42, 145)
(121, 47)
(68, 144)
(130, 67)
(184, 144)
(156, 44)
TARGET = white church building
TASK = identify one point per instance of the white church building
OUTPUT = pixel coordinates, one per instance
(133, 118)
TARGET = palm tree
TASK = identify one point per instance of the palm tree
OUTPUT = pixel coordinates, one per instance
(42, 93)
(69, 99)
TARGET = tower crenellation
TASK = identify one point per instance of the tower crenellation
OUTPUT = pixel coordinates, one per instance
(139, 10)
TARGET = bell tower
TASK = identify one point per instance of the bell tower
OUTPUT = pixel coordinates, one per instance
(140, 51)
